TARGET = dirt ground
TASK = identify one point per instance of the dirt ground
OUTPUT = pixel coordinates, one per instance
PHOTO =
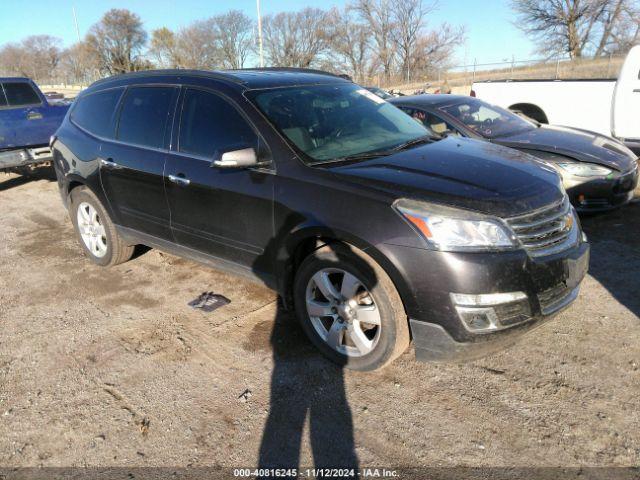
(111, 367)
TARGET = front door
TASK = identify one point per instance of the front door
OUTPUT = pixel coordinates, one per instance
(132, 166)
(24, 121)
(226, 213)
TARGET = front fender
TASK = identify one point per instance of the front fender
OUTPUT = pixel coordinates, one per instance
(314, 236)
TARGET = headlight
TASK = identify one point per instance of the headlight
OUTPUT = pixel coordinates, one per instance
(450, 229)
(585, 169)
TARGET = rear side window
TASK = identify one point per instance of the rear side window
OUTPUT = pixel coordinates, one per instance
(20, 94)
(210, 126)
(144, 115)
(95, 112)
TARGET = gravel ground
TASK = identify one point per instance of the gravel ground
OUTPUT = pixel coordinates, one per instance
(110, 367)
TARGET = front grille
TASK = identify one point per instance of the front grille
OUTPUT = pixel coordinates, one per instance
(550, 297)
(547, 230)
(556, 298)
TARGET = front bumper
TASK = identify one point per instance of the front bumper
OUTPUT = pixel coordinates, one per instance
(433, 343)
(550, 284)
(601, 194)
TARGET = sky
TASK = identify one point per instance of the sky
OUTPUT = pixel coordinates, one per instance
(491, 34)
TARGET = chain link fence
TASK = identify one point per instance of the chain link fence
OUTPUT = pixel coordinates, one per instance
(461, 77)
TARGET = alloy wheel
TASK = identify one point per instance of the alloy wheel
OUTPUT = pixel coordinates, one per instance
(343, 312)
(92, 230)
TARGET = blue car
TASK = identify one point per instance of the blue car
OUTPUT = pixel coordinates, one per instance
(27, 121)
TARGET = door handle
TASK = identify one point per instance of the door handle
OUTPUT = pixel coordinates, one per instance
(180, 180)
(108, 163)
(34, 116)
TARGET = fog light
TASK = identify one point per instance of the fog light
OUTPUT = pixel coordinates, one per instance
(484, 313)
(478, 319)
(486, 298)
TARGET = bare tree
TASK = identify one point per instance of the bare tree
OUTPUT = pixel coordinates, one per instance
(162, 48)
(117, 41)
(349, 45)
(619, 27)
(434, 50)
(233, 34)
(12, 60)
(560, 26)
(409, 22)
(608, 21)
(196, 46)
(378, 15)
(35, 57)
(295, 39)
(78, 65)
(41, 55)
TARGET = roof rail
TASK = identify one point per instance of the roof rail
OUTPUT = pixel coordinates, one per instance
(284, 69)
(217, 74)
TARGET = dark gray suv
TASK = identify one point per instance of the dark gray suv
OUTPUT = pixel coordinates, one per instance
(375, 230)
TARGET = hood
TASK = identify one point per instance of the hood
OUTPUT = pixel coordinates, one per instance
(460, 172)
(580, 145)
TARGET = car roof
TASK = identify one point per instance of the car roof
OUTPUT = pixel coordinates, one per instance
(247, 79)
(430, 99)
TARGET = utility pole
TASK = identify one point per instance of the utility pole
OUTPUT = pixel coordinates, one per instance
(260, 34)
(75, 20)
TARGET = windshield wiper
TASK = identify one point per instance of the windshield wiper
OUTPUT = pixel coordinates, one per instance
(416, 141)
(382, 153)
(356, 157)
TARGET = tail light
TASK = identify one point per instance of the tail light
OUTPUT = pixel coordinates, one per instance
(473, 93)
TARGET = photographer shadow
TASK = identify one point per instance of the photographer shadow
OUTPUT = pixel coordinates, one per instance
(305, 385)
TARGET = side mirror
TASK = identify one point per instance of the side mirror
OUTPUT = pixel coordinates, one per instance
(243, 158)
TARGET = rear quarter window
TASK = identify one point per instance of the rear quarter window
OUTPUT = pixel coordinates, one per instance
(144, 115)
(20, 94)
(95, 112)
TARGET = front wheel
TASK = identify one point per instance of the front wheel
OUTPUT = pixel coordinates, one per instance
(350, 309)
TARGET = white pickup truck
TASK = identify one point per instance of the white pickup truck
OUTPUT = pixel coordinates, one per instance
(610, 107)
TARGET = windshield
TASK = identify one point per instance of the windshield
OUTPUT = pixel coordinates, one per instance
(487, 120)
(381, 93)
(331, 122)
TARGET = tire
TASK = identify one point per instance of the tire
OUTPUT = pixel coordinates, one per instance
(340, 327)
(104, 246)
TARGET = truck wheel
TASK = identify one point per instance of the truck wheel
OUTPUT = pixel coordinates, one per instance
(96, 232)
(350, 309)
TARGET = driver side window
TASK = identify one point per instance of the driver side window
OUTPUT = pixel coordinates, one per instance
(211, 126)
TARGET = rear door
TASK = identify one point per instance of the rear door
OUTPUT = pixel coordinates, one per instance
(626, 101)
(23, 116)
(132, 164)
(227, 213)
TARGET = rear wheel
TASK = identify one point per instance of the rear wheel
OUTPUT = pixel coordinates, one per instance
(96, 232)
(350, 309)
